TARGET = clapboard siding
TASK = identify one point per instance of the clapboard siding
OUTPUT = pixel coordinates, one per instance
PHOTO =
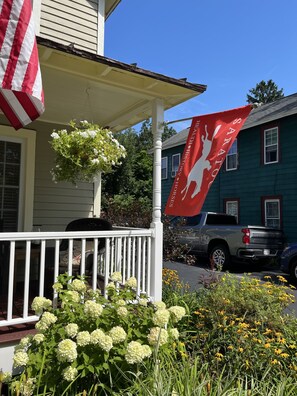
(70, 22)
(56, 204)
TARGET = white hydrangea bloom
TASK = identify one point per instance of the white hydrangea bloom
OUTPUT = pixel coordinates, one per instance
(20, 359)
(92, 134)
(161, 317)
(136, 352)
(146, 350)
(39, 304)
(57, 287)
(131, 282)
(47, 319)
(96, 336)
(110, 285)
(70, 373)
(72, 296)
(177, 312)
(71, 329)
(27, 387)
(122, 311)
(78, 285)
(38, 338)
(93, 309)
(66, 351)
(117, 334)
(83, 338)
(105, 343)
(121, 302)
(25, 341)
(116, 277)
(160, 305)
(55, 135)
(5, 376)
(157, 336)
(174, 333)
(143, 302)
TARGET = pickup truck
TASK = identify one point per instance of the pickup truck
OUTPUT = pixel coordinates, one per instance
(219, 237)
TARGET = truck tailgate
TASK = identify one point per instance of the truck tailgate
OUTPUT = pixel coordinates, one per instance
(268, 237)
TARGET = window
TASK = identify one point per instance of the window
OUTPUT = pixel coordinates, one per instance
(10, 174)
(232, 208)
(164, 168)
(17, 170)
(271, 150)
(272, 212)
(231, 158)
(175, 164)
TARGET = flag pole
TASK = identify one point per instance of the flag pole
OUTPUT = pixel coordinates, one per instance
(181, 120)
(254, 106)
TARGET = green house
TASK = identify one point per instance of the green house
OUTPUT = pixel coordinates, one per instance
(258, 180)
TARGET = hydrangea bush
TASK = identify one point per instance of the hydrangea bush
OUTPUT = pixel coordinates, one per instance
(90, 341)
(84, 151)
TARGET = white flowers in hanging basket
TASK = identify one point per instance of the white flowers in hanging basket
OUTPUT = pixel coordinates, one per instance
(84, 151)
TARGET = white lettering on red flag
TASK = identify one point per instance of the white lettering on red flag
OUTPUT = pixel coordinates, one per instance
(21, 93)
(209, 140)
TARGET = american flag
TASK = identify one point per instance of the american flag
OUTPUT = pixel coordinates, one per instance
(21, 93)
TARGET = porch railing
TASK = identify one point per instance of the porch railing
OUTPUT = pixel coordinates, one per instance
(31, 262)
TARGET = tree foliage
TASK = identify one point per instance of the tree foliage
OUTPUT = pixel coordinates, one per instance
(265, 92)
(132, 181)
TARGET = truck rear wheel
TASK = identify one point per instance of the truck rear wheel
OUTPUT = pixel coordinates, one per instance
(293, 270)
(219, 257)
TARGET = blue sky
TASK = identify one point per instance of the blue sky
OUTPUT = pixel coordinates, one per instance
(228, 45)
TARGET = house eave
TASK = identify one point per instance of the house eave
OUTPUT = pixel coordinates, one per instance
(83, 85)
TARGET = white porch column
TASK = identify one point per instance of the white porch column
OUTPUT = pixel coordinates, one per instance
(97, 196)
(157, 242)
(101, 27)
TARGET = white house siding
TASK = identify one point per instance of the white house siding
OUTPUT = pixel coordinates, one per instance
(70, 22)
(56, 204)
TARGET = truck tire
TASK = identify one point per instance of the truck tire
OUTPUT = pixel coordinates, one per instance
(219, 257)
(293, 270)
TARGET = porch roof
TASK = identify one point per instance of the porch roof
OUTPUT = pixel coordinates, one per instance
(81, 85)
(110, 5)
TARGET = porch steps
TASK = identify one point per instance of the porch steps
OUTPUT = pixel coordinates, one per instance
(15, 333)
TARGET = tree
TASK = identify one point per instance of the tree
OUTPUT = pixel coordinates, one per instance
(131, 183)
(265, 92)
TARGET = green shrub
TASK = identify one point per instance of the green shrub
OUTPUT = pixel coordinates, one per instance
(91, 343)
(239, 324)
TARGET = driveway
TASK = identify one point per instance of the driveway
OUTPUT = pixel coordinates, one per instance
(192, 274)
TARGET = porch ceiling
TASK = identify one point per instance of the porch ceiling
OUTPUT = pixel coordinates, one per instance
(80, 85)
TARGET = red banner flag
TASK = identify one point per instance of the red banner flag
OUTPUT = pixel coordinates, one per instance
(21, 94)
(209, 140)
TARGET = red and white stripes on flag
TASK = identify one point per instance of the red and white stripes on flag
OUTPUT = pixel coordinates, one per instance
(21, 93)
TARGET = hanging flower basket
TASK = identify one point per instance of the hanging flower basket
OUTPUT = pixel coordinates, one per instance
(83, 152)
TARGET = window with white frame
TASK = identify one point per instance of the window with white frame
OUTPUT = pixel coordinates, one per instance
(271, 149)
(272, 212)
(232, 208)
(175, 160)
(164, 168)
(231, 158)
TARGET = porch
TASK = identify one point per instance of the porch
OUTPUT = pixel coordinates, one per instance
(30, 266)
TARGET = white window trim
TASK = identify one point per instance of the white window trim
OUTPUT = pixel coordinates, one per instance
(164, 158)
(173, 173)
(36, 9)
(27, 138)
(277, 146)
(267, 200)
(228, 155)
(237, 206)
